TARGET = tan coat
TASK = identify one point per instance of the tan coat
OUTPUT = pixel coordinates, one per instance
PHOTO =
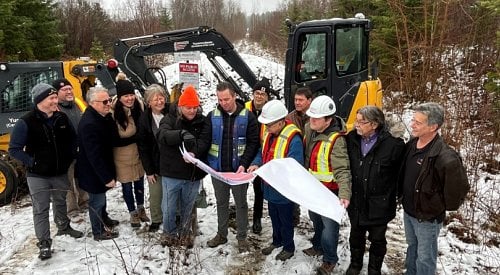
(127, 162)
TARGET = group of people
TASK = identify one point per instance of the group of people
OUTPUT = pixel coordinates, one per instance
(123, 139)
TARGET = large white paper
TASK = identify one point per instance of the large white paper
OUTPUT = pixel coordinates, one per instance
(293, 181)
(289, 178)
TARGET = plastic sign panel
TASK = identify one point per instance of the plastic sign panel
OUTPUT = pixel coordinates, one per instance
(189, 74)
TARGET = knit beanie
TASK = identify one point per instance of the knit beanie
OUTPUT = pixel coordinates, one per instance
(189, 98)
(124, 87)
(41, 91)
(61, 82)
(263, 86)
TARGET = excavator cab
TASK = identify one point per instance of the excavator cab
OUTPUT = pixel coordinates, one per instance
(331, 57)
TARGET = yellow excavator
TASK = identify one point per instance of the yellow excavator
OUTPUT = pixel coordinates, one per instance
(16, 81)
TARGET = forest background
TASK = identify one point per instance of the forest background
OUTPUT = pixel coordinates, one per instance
(427, 50)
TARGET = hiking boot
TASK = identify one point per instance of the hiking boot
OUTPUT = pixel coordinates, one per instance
(216, 241)
(168, 240)
(142, 214)
(153, 227)
(325, 269)
(243, 246)
(268, 250)
(45, 251)
(135, 220)
(311, 251)
(284, 255)
(71, 232)
(106, 235)
(110, 222)
(257, 226)
(187, 241)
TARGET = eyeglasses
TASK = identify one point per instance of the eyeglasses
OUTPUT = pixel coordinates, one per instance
(359, 122)
(105, 102)
(262, 94)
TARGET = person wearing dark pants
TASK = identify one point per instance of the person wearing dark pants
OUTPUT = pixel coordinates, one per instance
(282, 139)
(327, 160)
(261, 95)
(95, 167)
(45, 142)
(374, 155)
(258, 205)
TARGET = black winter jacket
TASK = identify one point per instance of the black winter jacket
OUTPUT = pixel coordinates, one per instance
(50, 143)
(374, 179)
(169, 139)
(442, 183)
(95, 166)
(147, 143)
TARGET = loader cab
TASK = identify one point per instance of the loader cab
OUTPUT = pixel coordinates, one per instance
(331, 57)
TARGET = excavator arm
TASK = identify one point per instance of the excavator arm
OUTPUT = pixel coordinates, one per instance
(131, 53)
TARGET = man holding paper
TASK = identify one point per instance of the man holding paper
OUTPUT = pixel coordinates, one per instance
(282, 139)
(327, 160)
(234, 143)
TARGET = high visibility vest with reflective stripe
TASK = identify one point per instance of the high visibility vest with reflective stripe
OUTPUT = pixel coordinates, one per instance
(238, 139)
(249, 106)
(279, 147)
(320, 163)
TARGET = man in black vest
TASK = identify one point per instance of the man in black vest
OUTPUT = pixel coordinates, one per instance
(45, 142)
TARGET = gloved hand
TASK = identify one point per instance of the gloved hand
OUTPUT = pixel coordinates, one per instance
(186, 136)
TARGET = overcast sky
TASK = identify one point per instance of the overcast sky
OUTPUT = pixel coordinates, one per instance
(248, 6)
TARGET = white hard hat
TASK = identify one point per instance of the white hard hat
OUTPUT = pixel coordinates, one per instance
(272, 111)
(321, 106)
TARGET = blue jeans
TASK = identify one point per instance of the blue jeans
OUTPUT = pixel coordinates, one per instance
(422, 240)
(282, 222)
(326, 237)
(97, 209)
(128, 194)
(174, 190)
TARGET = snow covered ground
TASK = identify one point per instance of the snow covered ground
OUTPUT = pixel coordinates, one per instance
(137, 251)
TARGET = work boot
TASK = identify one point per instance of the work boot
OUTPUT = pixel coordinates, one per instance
(106, 235)
(311, 251)
(243, 246)
(142, 214)
(187, 241)
(268, 250)
(135, 219)
(216, 241)
(153, 227)
(257, 226)
(71, 232)
(110, 222)
(45, 252)
(284, 255)
(325, 269)
(168, 240)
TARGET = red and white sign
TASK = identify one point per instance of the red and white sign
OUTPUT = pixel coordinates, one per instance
(189, 74)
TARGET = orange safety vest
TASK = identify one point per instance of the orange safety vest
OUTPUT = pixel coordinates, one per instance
(279, 147)
(249, 106)
(320, 163)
